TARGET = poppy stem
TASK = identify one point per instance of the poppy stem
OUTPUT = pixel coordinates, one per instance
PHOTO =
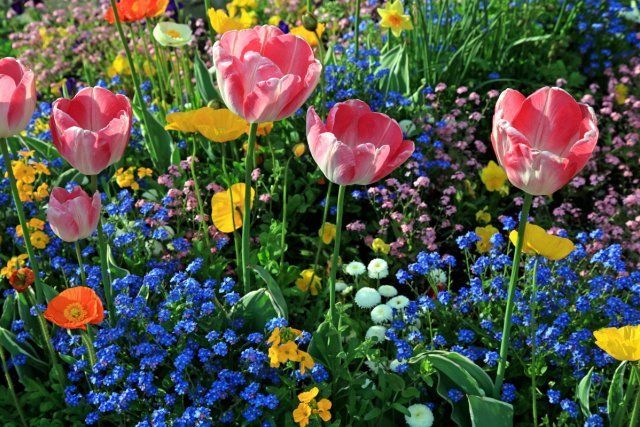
(356, 32)
(47, 339)
(12, 391)
(246, 217)
(325, 213)
(88, 343)
(635, 412)
(104, 262)
(506, 330)
(83, 276)
(336, 255)
(196, 189)
(4, 146)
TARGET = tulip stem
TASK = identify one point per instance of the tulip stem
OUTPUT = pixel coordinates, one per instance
(283, 232)
(136, 81)
(506, 330)
(635, 412)
(356, 32)
(212, 33)
(325, 213)
(532, 323)
(196, 189)
(83, 276)
(104, 262)
(333, 312)
(4, 146)
(246, 215)
(12, 391)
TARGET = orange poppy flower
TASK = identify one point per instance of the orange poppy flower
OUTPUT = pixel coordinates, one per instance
(137, 10)
(21, 279)
(74, 308)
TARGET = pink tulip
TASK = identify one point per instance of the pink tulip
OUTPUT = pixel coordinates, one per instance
(544, 140)
(356, 145)
(91, 130)
(73, 216)
(264, 75)
(17, 97)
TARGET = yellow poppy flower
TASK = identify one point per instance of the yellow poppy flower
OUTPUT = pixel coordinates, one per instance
(216, 125)
(538, 241)
(301, 414)
(394, 18)
(493, 176)
(305, 284)
(227, 208)
(379, 246)
(620, 343)
(327, 232)
(309, 36)
(485, 234)
(119, 67)
(308, 396)
(324, 405)
(223, 22)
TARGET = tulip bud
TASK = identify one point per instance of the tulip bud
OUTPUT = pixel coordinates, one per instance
(18, 94)
(299, 149)
(73, 215)
(309, 22)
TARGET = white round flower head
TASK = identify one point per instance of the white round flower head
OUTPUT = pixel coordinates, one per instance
(393, 365)
(378, 268)
(387, 291)
(398, 302)
(172, 34)
(438, 276)
(381, 313)
(367, 297)
(340, 286)
(355, 268)
(376, 331)
(421, 416)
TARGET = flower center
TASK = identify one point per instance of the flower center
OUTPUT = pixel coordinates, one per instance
(173, 34)
(395, 20)
(75, 312)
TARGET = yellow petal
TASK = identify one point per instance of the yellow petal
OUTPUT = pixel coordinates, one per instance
(227, 208)
(308, 396)
(220, 125)
(620, 343)
(538, 241)
(182, 122)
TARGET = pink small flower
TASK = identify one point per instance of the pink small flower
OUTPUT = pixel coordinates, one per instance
(17, 97)
(73, 215)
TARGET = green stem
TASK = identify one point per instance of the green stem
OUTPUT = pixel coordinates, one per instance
(325, 213)
(83, 276)
(356, 31)
(635, 413)
(283, 233)
(47, 339)
(4, 146)
(534, 397)
(196, 188)
(12, 391)
(212, 33)
(336, 255)
(104, 263)
(246, 217)
(88, 343)
(506, 330)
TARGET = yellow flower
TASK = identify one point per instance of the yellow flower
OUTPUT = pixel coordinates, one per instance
(23, 172)
(306, 361)
(286, 352)
(227, 208)
(41, 168)
(216, 125)
(13, 264)
(309, 36)
(264, 129)
(324, 405)
(378, 245)
(483, 216)
(126, 178)
(393, 18)
(308, 396)
(620, 343)
(327, 232)
(274, 20)
(119, 67)
(493, 177)
(485, 233)
(42, 192)
(301, 414)
(36, 224)
(144, 172)
(299, 149)
(45, 36)
(39, 239)
(538, 241)
(223, 22)
(25, 190)
(26, 153)
(305, 284)
(621, 92)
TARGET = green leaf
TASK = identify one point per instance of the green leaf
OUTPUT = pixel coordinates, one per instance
(204, 83)
(10, 343)
(615, 399)
(8, 310)
(398, 79)
(483, 380)
(488, 412)
(582, 393)
(49, 292)
(256, 309)
(43, 148)
(279, 302)
(325, 347)
(158, 141)
(115, 270)
(458, 375)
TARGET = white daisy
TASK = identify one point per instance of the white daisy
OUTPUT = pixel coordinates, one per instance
(367, 297)
(438, 276)
(387, 291)
(355, 268)
(340, 286)
(398, 302)
(381, 313)
(421, 416)
(378, 268)
(376, 331)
